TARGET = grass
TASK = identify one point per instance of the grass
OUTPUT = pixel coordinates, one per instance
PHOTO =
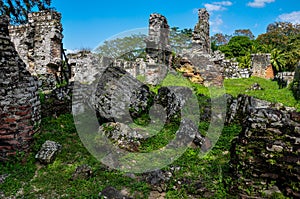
(270, 92)
(234, 87)
(29, 179)
(198, 177)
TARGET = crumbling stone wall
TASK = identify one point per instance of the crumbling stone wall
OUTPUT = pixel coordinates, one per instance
(265, 157)
(284, 78)
(230, 67)
(19, 102)
(39, 44)
(261, 66)
(201, 39)
(157, 49)
(200, 57)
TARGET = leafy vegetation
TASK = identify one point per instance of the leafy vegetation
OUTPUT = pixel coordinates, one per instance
(196, 176)
(128, 47)
(19, 9)
(29, 179)
(281, 40)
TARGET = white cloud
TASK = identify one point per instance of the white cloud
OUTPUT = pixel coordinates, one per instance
(293, 17)
(223, 3)
(69, 51)
(259, 3)
(217, 6)
(216, 23)
(212, 7)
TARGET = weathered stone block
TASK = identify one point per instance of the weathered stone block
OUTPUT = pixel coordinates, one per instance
(48, 152)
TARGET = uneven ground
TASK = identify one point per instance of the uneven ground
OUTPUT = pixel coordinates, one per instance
(190, 176)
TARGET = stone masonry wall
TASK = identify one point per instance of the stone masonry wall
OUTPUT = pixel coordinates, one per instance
(201, 39)
(260, 64)
(284, 78)
(19, 102)
(265, 157)
(157, 49)
(39, 44)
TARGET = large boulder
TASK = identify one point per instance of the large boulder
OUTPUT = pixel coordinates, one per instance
(119, 96)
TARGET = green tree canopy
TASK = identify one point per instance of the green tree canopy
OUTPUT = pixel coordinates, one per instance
(220, 39)
(128, 48)
(180, 39)
(244, 32)
(238, 46)
(18, 10)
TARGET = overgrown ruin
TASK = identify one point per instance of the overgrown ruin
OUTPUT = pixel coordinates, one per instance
(265, 151)
(39, 44)
(19, 101)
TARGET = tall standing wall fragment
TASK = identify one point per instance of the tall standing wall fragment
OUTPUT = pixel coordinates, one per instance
(39, 44)
(19, 102)
(201, 40)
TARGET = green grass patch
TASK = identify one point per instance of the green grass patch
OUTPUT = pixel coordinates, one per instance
(31, 180)
(270, 92)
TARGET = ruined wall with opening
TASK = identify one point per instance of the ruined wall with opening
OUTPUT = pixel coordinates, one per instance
(39, 44)
(261, 66)
(19, 102)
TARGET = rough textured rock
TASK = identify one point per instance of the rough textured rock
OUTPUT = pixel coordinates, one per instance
(117, 92)
(255, 87)
(261, 66)
(48, 152)
(266, 152)
(112, 193)
(284, 78)
(201, 40)
(244, 105)
(173, 99)
(39, 43)
(157, 49)
(232, 70)
(121, 135)
(295, 86)
(3, 177)
(19, 101)
(82, 172)
(210, 72)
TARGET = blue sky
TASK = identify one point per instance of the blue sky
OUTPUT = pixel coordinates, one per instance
(88, 23)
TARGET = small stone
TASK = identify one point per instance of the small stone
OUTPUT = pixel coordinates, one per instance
(271, 191)
(275, 148)
(82, 172)
(112, 193)
(48, 152)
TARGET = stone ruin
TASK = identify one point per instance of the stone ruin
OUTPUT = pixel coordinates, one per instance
(201, 39)
(19, 101)
(265, 155)
(39, 44)
(261, 66)
(158, 49)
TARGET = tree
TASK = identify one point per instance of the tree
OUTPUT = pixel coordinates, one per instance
(18, 9)
(278, 34)
(245, 61)
(238, 46)
(278, 60)
(128, 48)
(244, 32)
(220, 39)
(180, 39)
